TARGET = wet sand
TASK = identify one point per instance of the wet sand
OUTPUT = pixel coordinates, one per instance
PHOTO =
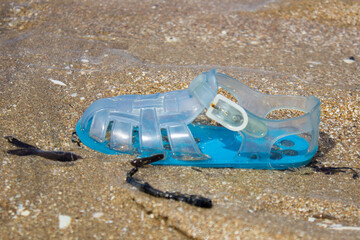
(57, 58)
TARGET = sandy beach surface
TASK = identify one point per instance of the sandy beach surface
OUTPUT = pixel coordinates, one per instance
(57, 57)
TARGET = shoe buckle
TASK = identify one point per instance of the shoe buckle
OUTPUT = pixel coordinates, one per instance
(227, 113)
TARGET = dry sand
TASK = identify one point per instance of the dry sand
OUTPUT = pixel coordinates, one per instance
(106, 48)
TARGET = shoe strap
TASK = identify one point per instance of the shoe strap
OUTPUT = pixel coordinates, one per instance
(204, 88)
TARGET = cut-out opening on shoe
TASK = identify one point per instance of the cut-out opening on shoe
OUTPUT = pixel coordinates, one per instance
(276, 156)
(108, 131)
(284, 113)
(290, 152)
(165, 139)
(135, 137)
(287, 143)
(202, 119)
(291, 147)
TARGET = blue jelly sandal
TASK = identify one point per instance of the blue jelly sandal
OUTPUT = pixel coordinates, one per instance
(146, 125)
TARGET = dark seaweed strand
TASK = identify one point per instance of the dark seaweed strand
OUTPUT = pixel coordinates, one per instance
(18, 143)
(139, 162)
(195, 200)
(333, 170)
(75, 139)
(23, 151)
(58, 155)
(27, 149)
(318, 167)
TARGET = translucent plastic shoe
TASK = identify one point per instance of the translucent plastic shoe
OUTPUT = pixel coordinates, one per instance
(146, 125)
